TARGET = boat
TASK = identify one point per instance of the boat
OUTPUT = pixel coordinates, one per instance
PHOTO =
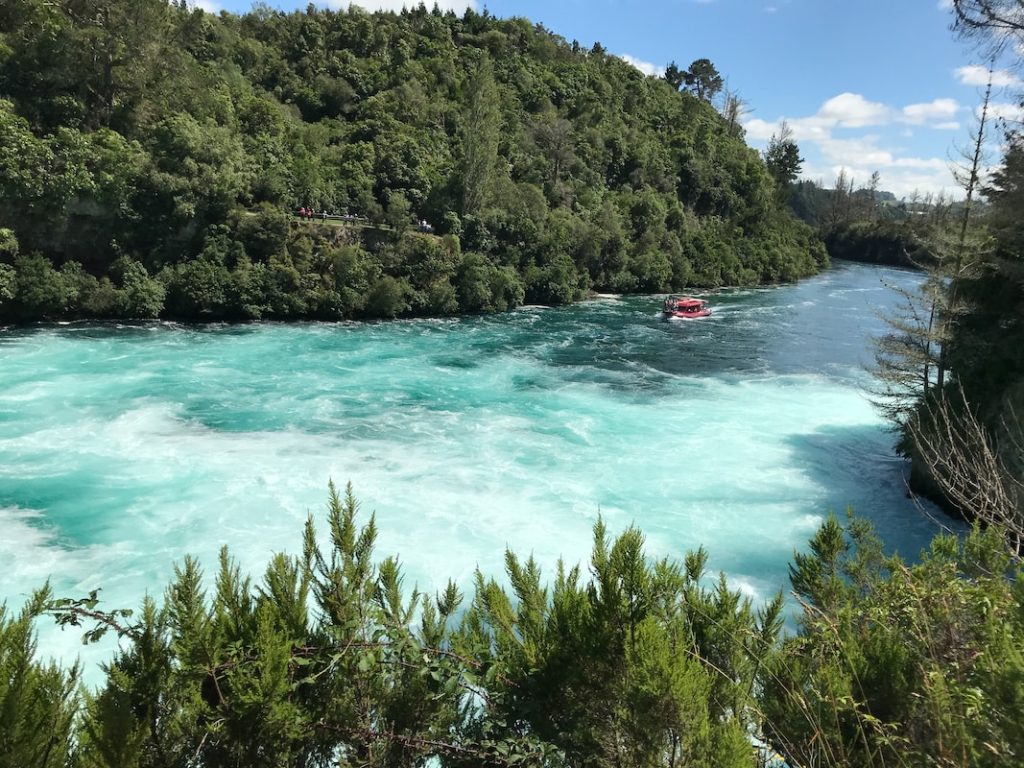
(686, 307)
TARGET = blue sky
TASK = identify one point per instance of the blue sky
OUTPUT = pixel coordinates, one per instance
(866, 85)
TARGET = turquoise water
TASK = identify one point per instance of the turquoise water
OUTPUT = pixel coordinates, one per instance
(124, 448)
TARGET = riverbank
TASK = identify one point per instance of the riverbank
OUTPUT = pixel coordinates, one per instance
(279, 268)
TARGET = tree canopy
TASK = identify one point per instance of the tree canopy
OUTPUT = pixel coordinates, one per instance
(153, 134)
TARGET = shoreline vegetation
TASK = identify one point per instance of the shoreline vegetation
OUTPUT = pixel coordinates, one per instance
(152, 158)
(328, 659)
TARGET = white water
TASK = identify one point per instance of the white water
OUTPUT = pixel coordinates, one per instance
(123, 449)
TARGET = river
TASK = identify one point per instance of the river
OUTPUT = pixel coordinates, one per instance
(124, 448)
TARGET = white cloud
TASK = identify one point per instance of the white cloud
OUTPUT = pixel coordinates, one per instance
(952, 125)
(942, 110)
(863, 151)
(459, 6)
(945, 5)
(209, 6)
(922, 163)
(860, 156)
(644, 66)
(921, 175)
(851, 110)
(847, 110)
(975, 74)
(759, 130)
(770, 9)
(1001, 110)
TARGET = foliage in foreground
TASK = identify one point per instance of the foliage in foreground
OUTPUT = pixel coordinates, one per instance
(327, 661)
(901, 665)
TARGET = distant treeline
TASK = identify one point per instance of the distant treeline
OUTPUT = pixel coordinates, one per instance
(949, 371)
(328, 661)
(150, 154)
(871, 225)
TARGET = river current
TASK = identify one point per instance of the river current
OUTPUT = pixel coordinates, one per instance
(122, 449)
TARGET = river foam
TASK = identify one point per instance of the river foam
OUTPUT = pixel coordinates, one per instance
(124, 448)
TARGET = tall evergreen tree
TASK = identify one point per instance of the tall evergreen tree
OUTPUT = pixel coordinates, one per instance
(705, 79)
(480, 133)
(782, 157)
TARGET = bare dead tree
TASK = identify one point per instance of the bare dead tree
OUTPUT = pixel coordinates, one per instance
(872, 195)
(734, 109)
(906, 356)
(963, 459)
(993, 24)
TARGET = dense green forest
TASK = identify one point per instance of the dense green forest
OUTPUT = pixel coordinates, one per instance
(152, 156)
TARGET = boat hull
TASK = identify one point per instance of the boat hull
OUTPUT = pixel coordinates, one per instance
(688, 315)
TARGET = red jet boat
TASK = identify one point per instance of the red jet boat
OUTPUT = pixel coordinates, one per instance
(685, 307)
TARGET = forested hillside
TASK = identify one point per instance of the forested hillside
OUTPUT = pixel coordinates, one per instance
(152, 156)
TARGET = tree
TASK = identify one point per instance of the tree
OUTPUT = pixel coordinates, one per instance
(970, 443)
(907, 355)
(704, 79)
(553, 135)
(140, 297)
(480, 140)
(840, 199)
(783, 157)
(38, 700)
(325, 659)
(970, 468)
(39, 289)
(398, 215)
(642, 666)
(900, 664)
(8, 243)
(8, 283)
(734, 109)
(967, 251)
(952, 453)
(674, 76)
(120, 133)
(995, 23)
(624, 660)
(872, 194)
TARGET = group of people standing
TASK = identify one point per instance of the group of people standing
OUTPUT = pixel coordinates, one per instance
(309, 213)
